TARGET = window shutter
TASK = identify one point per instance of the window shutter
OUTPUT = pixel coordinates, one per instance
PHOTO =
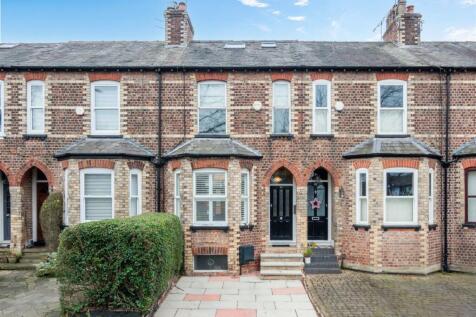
(202, 184)
(218, 184)
(98, 208)
(97, 184)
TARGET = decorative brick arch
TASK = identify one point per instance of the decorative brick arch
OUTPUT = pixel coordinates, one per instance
(468, 163)
(328, 167)
(39, 165)
(8, 173)
(289, 166)
(205, 76)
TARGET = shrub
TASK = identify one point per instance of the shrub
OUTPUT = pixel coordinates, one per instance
(48, 267)
(51, 219)
(120, 264)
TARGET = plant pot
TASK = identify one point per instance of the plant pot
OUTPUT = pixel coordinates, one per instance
(12, 259)
(307, 260)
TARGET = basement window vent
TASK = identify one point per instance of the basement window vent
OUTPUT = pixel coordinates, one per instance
(6, 45)
(268, 45)
(235, 45)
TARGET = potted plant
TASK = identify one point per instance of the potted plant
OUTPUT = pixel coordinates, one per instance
(307, 256)
(314, 245)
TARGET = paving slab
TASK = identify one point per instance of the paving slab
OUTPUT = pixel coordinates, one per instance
(245, 296)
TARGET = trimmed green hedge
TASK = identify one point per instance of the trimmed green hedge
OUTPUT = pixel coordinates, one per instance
(120, 264)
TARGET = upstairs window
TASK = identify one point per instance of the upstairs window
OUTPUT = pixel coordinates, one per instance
(212, 108)
(281, 107)
(36, 107)
(392, 95)
(105, 108)
(210, 197)
(400, 197)
(431, 200)
(321, 107)
(362, 200)
(135, 196)
(245, 197)
(97, 191)
(471, 196)
(2, 116)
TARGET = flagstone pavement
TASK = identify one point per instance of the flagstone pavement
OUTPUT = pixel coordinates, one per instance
(245, 296)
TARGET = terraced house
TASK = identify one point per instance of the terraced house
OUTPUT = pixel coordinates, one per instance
(260, 147)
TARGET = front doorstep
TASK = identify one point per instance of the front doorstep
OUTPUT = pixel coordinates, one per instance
(282, 243)
(322, 243)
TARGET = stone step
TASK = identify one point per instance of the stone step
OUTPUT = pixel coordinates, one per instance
(17, 266)
(281, 274)
(323, 265)
(323, 251)
(282, 264)
(36, 250)
(312, 270)
(324, 258)
(40, 256)
(281, 255)
(31, 261)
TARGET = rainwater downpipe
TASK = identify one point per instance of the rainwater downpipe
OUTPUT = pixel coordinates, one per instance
(159, 142)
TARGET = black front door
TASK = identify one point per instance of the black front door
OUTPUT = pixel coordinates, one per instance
(281, 213)
(6, 209)
(317, 211)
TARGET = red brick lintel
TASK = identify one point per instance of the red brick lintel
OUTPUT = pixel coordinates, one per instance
(108, 164)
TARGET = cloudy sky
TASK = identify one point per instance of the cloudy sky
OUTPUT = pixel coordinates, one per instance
(326, 20)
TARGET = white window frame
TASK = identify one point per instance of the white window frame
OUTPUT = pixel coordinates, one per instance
(177, 197)
(95, 84)
(245, 197)
(139, 191)
(82, 196)
(225, 106)
(358, 196)
(210, 197)
(2, 109)
(66, 197)
(30, 108)
(328, 85)
(414, 197)
(274, 107)
(392, 82)
(431, 197)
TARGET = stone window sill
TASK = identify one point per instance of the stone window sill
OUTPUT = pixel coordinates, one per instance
(282, 136)
(209, 228)
(212, 136)
(322, 136)
(357, 227)
(41, 137)
(432, 226)
(471, 225)
(105, 136)
(390, 227)
(247, 227)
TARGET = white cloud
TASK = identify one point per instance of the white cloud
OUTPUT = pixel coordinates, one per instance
(254, 3)
(263, 28)
(299, 18)
(461, 34)
(276, 12)
(303, 3)
(301, 29)
(469, 2)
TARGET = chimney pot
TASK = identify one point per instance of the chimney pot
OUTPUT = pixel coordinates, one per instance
(411, 9)
(182, 6)
(403, 25)
(178, 27)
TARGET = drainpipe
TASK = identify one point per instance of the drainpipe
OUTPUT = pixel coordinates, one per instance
(159, 142)
(446, 165)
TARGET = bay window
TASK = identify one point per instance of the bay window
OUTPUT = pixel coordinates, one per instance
(105, 107)
(400, 197)
(470, 196)
(212, 108)
(210, 197)
(245, 197)
(362, 200)
(321, 107)
(135, 193)
(281, 107)
(36, 107)
(177, 198)
(392, 96)
(97, 194)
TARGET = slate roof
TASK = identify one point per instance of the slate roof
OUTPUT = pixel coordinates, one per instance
(393, 147)
(467, 149)
(207, 147)
(105, 147)
(213, 54)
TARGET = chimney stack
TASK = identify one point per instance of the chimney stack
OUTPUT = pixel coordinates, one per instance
(178, 27)
(403, 24)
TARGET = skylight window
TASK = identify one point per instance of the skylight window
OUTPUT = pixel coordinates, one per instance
(235, 45)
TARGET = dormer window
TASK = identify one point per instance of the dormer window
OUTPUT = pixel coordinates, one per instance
(212, 108)
(392, 96)
(105, 105)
